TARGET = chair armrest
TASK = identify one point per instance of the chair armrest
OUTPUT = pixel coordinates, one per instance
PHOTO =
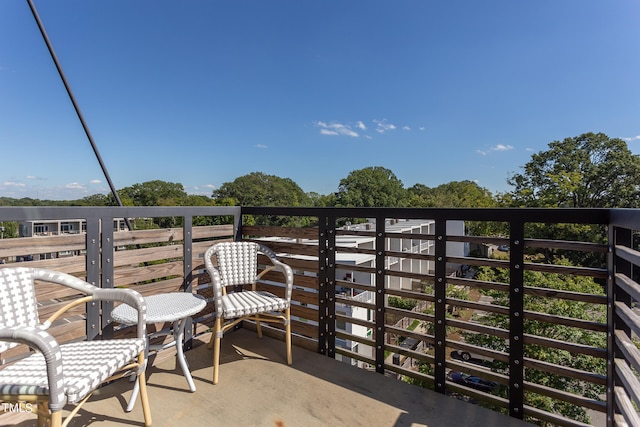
(46, 344)
(216, 286)
(281, 267)
(129, 297)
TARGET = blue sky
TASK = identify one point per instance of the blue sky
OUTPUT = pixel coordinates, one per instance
(202, 92)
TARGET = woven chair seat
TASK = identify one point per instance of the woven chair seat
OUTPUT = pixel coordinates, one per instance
(248, 303)
(86, 365)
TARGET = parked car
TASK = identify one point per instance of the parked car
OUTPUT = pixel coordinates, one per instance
(470, 357)
(472, 381)
(410, 343)
(503, 248)
(459, 354)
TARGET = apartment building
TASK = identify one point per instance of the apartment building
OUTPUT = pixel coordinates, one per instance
(60, 227)
(45, 228)
(393, 244)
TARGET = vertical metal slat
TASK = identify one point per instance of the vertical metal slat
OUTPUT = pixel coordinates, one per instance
(516, 320)
(440, 296)
(380, 292)
(93, 275)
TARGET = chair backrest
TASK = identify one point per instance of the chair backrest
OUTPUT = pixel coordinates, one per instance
(18, 305)
(237, 262)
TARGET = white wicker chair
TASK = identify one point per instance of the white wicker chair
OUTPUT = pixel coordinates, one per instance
(59, 374)
(237, 265)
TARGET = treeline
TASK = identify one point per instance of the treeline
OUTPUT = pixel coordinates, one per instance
(590, 170)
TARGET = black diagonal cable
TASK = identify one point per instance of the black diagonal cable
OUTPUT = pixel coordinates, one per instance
(75, 106)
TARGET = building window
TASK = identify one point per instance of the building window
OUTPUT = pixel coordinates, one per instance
(40, 228)
(341, 324)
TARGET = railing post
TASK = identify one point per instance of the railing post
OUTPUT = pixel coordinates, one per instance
(187, 254)
(516, 320)
(440, 296)
(622, 237)
(237, 226)
(380, 292)
(93, 274)
(322, 284)
(331, 286)
(107, 266)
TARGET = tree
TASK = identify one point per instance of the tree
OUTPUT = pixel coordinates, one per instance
(403, 303)
(8, 229)
(456, 194)
(259, 189)
(587, 171)
(459, 194)
(96, 200)
(153, 193)
(373, 186)
(322, 201)
(552, 307)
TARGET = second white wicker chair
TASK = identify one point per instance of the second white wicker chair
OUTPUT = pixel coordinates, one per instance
(237, 265)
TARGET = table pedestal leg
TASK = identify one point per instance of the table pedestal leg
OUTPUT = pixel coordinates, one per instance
(178, 334)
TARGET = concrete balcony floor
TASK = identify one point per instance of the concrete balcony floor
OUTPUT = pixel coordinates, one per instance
(257, 388)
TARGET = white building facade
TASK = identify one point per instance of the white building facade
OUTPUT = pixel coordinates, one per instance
(408, 265)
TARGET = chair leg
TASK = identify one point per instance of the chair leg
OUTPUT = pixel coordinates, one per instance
(216, 348)
(210, 343)
(288, 335)
(45, 419)
(56, 419)
(144, 398)
(258, 325)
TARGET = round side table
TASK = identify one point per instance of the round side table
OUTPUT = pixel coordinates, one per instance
(174, 307)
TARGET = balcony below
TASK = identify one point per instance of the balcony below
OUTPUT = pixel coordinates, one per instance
(257, 388)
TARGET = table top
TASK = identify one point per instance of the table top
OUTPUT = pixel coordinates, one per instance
(167, 307)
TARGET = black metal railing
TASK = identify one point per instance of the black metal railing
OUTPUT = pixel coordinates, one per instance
(516, 394)
(355, 287)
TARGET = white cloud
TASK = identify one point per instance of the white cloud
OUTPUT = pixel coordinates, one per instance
(13, 184)
(31, 177)
(261, 146)
(75, 186)
(95, 181)
(211, 186)
(633, 138)
(382, 126)
(361, 126)
(335, 129)
(501, 147)
(421, 128)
